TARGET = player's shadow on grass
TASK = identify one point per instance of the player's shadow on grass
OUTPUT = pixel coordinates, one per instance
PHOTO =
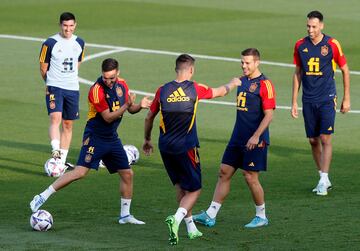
(290, 152)
(284, 151)
(25, 146)
(211, 140)
(19, 165)
(149, 163)
(19, 161)
(36, 172)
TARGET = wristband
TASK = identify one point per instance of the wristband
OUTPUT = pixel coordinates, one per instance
(227, 88)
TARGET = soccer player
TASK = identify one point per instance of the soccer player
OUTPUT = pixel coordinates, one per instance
(248, 145)
(178, 142)
(60, 58)
(109, 99)
(315, 58)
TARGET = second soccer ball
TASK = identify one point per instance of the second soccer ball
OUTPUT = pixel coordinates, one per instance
(132, 153)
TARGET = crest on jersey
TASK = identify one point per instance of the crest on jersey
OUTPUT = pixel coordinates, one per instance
(324, 50)
(119, 91)
(253, 87)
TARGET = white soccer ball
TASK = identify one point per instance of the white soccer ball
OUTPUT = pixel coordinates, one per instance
(132, 153)
(41, 220)
(54, 167)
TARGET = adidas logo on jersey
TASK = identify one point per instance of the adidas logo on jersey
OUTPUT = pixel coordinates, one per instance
(305, 50)
(178, 96)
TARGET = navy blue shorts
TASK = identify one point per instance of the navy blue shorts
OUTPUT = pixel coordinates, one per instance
(184, 169)
(319, 118)
(61, 100)
(111, 152)
(249, 160)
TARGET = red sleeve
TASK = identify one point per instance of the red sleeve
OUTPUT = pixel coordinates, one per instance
(267, 94)
(203, 91)
(338, 54)
(97, 98)
(123, 83)
(297, 60)
(155, 106)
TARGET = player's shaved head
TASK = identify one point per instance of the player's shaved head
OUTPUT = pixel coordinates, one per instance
(251, 52)
(109, 64)
(183, 62)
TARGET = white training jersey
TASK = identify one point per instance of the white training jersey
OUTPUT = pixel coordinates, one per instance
(63, 56)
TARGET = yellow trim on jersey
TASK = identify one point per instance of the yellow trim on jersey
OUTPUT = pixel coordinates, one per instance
(83, 55)
(92, 111)
(96, 93)
(334, 65)
(269, 89)
(338, 46)
(194, 115)
(43, 54)
(162, 124)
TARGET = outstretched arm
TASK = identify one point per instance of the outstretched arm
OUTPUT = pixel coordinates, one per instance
(223, 90)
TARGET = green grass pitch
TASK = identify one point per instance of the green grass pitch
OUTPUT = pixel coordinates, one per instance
(85, 213)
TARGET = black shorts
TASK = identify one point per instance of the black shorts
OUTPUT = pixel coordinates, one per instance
(249, 160)
(184, 169)
(319, 118)
(64, 101)
(111, 152)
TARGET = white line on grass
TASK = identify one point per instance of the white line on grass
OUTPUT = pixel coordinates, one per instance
(116, 49)
(160, 52)
(100, 54)
(88, 82)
